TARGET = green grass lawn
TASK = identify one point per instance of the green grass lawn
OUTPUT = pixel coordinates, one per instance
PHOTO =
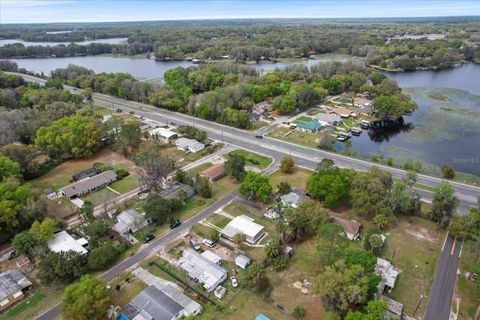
(297, 179)
(295, 136)
(126, 184)
(100, 196)
(200, 168)
(31, 301)
(466, 288)
(218, 220)
(258, 125)
(253, 159)
(128, 289)
(303, 119)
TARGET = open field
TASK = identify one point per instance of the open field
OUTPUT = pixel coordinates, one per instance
(466, 289)
(253, 159)
(295, 136)
(413, 245)
(61, 175)
(297, 179)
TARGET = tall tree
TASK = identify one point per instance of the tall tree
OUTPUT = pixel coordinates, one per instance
(8, 168)
(235, 166)
(155, 167)
(304, 220)
(86, 300)
(444, 203)
(131, 135)
(256, 186)
(287, 165)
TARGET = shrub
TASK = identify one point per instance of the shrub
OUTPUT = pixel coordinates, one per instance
(122, 173)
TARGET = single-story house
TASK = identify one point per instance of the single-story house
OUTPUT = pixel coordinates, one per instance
(151, 303)
(84, 174)
(351, 227)
(87, 185)
(130, 221)
(63, 242)
(244, 225)
(340, 111)
(294, 198)
(388, 273)
(173, 191)
(162, 133)
(174, 291)
(215, 172)
(310, 126)
(242, 261)
(212, 257)
(190, 145)
(327, 118)
(362, 102)
(13, 286)
(201, 269)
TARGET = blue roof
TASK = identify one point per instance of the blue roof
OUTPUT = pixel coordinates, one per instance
(261, 316)
(123, 317)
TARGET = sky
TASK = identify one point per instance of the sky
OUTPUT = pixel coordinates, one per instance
(42, 11)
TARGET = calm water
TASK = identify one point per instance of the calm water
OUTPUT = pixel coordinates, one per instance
(145, 69)
(33, 43)
(461, 152)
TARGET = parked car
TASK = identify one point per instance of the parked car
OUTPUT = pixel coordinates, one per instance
(259, 137)
(175, 224)
(194, 244)
(148, 238)
(234, 281)
(209, 243)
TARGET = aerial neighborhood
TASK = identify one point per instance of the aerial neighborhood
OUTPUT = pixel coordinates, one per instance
(251, 169)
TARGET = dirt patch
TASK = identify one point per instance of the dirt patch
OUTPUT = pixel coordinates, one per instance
(422, 234)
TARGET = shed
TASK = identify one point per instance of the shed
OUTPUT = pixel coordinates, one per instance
(242, 261)
(212, 257)
(24, 264)
(287, 251)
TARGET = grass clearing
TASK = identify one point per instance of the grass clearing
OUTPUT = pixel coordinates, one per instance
(253, 159)
(297, 179)
(413, 245)
(465, 288)
(218, 220)
(295, 136)
(128, 290)
(31, 301)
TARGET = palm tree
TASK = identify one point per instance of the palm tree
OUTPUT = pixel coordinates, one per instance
(113, 312)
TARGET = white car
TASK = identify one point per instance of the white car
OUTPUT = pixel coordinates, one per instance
(209, 243)
(234, 281)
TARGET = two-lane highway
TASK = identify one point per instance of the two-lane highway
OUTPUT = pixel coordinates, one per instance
(440, 299)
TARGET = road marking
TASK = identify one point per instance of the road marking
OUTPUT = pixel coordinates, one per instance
(445, 241)
(453, 246)
(461, 248)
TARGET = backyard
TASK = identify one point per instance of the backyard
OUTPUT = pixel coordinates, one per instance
(253, 159)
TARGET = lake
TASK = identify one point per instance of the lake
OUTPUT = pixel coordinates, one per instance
(146, 69)
(86, 42)
(445, 128)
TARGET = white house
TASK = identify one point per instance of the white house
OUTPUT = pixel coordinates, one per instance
(191, 145)
(212, 257)
(293, 199)
(63, 242)
(201, 269)
(162, 133)
(242, 261)
(246, 225)
(130, 221)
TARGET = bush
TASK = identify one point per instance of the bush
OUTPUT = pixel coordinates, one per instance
(448, 172)
(124, 247)
(101, 167)
(102, 257)
(122, 173)
(299, 312)
(284, 187)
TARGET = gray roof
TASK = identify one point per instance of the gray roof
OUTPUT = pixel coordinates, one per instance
(295, 197)
(12, 281)
(88, 184)
(199, 267)
(189, 144)
(152, 303)
(173, 191)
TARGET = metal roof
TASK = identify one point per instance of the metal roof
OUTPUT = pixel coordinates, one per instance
(12, 281)
(243, 224)
(64, 242)
(154, 304)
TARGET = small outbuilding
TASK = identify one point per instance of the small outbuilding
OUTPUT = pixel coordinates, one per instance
(13, 287)
(212, 257)
(130, 221)
(242, 261)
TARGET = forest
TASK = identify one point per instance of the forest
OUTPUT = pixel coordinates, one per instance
(379, 42)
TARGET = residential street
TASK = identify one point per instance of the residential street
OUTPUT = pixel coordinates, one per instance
(54, 312)
(440, 298)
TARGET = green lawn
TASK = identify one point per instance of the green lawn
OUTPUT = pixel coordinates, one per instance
(303, 119)
(99, 196)
(218, 220)
(200, 168)
(126, 184)
(297, 179)
(253, 159)
(466, 289)
(296, 136)
(31, 301)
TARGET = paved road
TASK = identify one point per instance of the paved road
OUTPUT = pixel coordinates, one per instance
(303, 156)
(149, 249)
(440, 299)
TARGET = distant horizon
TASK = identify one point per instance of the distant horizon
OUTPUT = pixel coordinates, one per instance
(433, 18)
(105, 11)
